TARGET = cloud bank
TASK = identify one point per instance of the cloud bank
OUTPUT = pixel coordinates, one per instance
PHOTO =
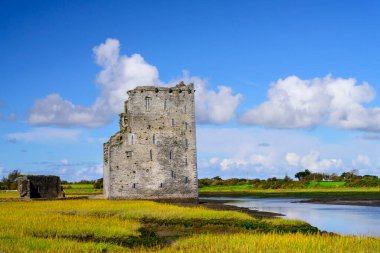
(44, 134)
(120, 73)
(237, 152)
(296, 103)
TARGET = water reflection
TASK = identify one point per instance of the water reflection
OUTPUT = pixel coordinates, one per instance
(342, 219)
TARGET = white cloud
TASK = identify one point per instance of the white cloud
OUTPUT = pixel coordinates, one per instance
(362, 161)
(369, 136)
(43, 134)
(296, 103)
(94, 171)
(314, 162)
(292, 159)
(235, 152)
(64, 162)
(211, 106)
(119, 74)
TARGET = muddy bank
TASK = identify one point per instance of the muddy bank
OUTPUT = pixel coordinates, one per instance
(335, 198)
(219, 205)
(343, 201)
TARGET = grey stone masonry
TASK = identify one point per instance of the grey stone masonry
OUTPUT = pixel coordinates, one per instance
(153, 156)
(40, 186)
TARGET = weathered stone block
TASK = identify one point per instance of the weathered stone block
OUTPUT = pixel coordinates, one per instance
(39, 186)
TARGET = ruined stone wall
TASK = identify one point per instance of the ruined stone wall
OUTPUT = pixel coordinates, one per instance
(40, 186)
(153, 156)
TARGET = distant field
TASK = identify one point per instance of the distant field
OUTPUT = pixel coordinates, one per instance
(80, 189)
(146, 226)
(317, 186)
(70, 190)
(8, 194)
(325, 184)
(330, 190)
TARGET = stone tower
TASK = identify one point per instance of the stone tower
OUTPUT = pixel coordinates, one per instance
(153, 156)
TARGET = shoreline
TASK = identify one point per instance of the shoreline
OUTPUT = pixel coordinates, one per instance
(221, 206)
(335, 198)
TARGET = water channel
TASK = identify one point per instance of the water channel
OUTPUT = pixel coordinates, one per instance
(341, 219)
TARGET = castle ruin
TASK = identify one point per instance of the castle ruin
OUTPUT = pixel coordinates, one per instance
(153, 156)
(40, 186)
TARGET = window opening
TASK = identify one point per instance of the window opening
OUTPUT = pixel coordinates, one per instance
(148, 101)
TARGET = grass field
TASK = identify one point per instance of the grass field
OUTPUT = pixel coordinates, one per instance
(329, 190)
(80, 189)
(146, 226)
(295, 243)
(8, 194)
(325, 184)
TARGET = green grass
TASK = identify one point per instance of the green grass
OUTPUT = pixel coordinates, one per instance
(8, 194)
(79, 186)
(311, 192)
(325, 184)
(80, 189)
(146, 226)
(93, 225)
(284, 243)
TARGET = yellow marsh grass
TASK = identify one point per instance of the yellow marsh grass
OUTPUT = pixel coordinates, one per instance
(8, 194)
(276, 243)
(54, 226)
(42, 226)
(145, 209)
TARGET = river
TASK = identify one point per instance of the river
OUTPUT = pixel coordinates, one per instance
(341, 219)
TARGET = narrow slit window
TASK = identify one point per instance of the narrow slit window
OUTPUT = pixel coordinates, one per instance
(161, 185)
(186, 161)
(173, 122)
(186, 125)
(154, 139)
(186, 180)
(173, 174)
(134, 185)
(170, 155)
(185, 109)
(165, 104)
(151, 154)
(132, 139)
(148, 101)
(186, 143)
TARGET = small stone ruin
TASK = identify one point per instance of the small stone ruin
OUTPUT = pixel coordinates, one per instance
(40, 186)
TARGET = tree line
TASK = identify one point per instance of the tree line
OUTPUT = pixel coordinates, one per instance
(350, 178)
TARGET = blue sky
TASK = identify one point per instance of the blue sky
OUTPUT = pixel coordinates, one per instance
(281, 85)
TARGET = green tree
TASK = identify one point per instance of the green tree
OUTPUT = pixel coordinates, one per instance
(302, 174)
(10, 182)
